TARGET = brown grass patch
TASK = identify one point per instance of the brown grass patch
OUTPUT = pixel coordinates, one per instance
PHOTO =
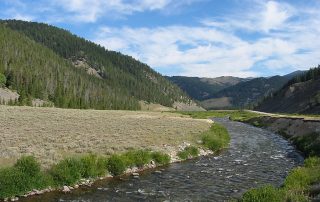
(51, 134)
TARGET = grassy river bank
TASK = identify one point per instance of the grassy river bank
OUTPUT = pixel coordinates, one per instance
(302, 183)
(29, 176)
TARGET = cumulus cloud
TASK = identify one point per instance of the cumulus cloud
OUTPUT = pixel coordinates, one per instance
(278, 36)
(219, 47)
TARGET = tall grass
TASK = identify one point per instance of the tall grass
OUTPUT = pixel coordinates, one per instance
(160, 158)
(216, 138)
(309, 144)
(24, 176)
(188, 152)
(116, 164)
(295, 187)
(27, 175)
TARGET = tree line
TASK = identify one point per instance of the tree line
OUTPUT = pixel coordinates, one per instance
(123, 76)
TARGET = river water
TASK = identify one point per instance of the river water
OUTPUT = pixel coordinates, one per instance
(255, 157)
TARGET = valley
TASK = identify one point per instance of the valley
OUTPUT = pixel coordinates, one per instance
(82, 122)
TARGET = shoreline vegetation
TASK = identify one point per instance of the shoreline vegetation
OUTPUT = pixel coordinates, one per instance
(303, 182)
(28, 177)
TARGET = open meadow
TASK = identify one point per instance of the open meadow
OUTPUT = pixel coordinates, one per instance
(51, 134)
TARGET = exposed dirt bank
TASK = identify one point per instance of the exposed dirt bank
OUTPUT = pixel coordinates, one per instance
(303, 132)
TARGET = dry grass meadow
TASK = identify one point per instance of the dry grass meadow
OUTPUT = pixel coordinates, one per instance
(51, 134)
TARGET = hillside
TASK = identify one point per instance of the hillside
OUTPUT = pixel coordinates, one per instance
(46, 62)
(246, 93)
(201, 88)
(299, 95)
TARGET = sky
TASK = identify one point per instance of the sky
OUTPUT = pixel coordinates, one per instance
(204, 38)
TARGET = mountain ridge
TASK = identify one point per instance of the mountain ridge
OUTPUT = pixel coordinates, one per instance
(299, 95)
(200, 88)
(123, 77)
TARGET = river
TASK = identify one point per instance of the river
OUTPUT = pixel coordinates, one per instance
(255, 157)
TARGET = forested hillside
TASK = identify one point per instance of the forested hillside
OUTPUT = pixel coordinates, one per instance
(42, 61)
(36, 72)
(202, 88)
(299, 95)
(248, 93)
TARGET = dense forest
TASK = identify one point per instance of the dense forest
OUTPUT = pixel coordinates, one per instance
(38, 61)
(312, 74)
(36, 72)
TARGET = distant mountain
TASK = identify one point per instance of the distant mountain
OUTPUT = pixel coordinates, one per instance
(246, 93)
(49, 63)
(202, 88)
(299, 95)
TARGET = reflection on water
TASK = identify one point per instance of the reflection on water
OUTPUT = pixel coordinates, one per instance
(255, 157)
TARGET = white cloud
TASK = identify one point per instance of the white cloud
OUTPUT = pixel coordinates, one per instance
(92, 10)
(88, 11)
(263, 35)
(275, 15)
(215, 47)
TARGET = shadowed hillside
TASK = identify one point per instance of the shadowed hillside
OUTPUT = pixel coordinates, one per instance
(299, 95)
(246, 93)
(202, 88)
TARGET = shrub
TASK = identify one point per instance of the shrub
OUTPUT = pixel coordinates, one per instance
(116, 165)
(308, 144)
(183, 155)
(160, 158)
(188, 152)
(312, 162)
(295, 187)
(12, 182)
(24, 176)
(137, 158)
(67, 172)
(264, 194)
(3, 80)
(28, 165)
(92, 166)
(216, 138)
(300, 178)
(212, 142)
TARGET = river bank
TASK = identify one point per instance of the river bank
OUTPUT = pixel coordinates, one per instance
(304, 133)
(254, 157)
(76, 170)
(302, 183)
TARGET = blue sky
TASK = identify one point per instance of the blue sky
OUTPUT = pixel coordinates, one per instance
(206, 38)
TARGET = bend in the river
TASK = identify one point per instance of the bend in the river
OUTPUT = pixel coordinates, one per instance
(255, 157)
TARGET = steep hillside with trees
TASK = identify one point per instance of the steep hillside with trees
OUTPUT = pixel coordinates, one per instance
(35, 71)
(299, 95)
(247, 93)
(42, 61)
(202, 88)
